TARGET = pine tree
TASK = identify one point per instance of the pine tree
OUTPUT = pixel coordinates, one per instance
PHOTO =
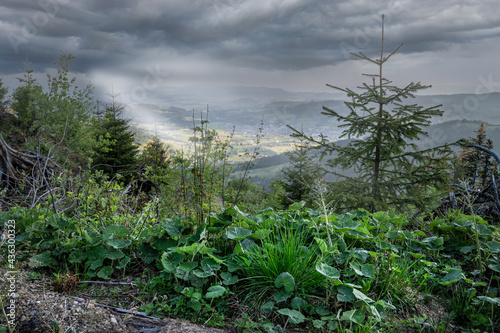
(476, 164)
(155, 153)
(300, 175)
(115, 151)
(390, 170)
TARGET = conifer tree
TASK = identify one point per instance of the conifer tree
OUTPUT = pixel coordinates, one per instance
(390, 170)
(478, 165)
(155, 153)
(115, 150)
(300, 175)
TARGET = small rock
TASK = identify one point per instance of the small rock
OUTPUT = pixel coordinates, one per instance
(113, 321)
(32, 313)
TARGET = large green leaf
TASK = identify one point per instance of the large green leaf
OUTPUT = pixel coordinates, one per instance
(261, 233)
(228, 278)
(267, 307)
(96, 264)
(114, 254)
(355, 316)
(42, 260)
(164, 244)
(210, 265)
(297, 205)
(105, 272)
(58, 222)
(119, 243)
(170, 260)
(237, 233)
(362, 297)
(492, 300)
(215, 291)
(286, 281)
(493, 246)
(483, 230)
(345, 293)
(281, 296)
(115, 231)
(297, 303)
(294, 316)
(123, 262)
(328, 271)
(453, 276)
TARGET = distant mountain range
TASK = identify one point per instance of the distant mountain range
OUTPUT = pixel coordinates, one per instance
(171, 117)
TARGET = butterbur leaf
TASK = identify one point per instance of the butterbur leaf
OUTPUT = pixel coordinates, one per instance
(495, 267)
(355, 316)
(318, 323)
(286, 281)
(492, 300)
(281, 296)
(297, 303)
(267, 307)
(114, 231)
(295, 316)
(237, 233)
(493, 246)
(170, 260)
(96, 264)
(105, 272)
(210, 265)
(368, 270)
(147, 253)
(345, 293)
(483, 230)
(322, 245)
(328, 271)
(194, 304)
(467, 249)
(203, 274)
(42, 260)
(119, 243)
(362, 297)
(332, 325)
(172, 229)
(215, 291)
(297, 205)
(228, 278)
(123, 262)
(322, 310)
(453, 276)
(261, 233)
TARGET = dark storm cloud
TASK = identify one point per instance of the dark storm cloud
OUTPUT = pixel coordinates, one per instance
(258, 34)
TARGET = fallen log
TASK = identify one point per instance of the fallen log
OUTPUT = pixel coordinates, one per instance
(18, 166)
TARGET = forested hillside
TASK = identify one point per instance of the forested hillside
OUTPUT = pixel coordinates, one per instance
(383, 219)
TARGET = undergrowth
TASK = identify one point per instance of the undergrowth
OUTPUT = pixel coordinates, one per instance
(275, 270)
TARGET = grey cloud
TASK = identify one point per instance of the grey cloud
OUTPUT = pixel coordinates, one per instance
(290, 35)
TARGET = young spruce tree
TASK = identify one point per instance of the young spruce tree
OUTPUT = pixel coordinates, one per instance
(390, 170)
(114, 151)
(477, 165)
(300, 175)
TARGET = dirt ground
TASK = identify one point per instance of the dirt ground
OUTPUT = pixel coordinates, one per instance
(39, 309)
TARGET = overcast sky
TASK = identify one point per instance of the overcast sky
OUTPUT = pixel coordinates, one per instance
(140, 46)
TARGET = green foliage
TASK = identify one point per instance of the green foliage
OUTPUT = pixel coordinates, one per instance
(281, 264)
(3, 96)
(390, 171)
(114, 151)
(299, 177)
(475, 165)
(155, 154)
(61, 112)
